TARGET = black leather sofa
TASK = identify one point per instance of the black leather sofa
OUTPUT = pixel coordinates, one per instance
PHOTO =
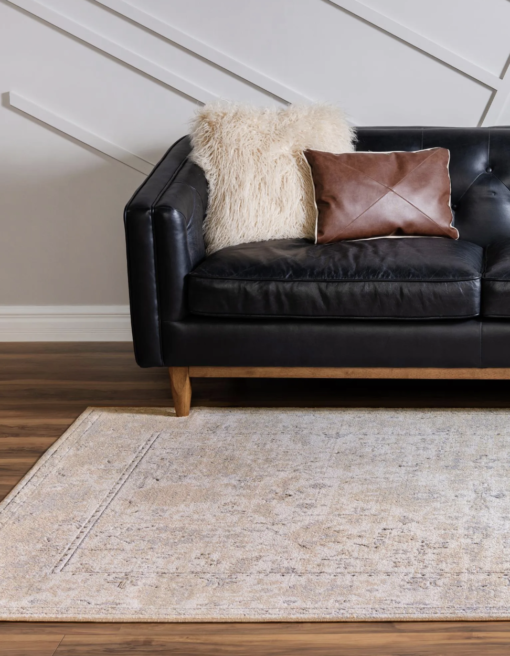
(408, 308)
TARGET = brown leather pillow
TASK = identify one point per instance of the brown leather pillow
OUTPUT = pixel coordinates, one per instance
(363, 195)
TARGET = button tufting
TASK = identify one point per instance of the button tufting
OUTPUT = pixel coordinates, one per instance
(454, 207)
(489, 169)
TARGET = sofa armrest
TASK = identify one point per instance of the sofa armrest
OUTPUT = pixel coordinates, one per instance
(163, 223)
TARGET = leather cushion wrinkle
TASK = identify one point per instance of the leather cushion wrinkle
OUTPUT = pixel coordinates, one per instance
(420, 278)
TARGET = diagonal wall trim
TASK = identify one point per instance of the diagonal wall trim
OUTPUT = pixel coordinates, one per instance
(65, 323)
(197, 47)
(81, 134)
(424, 44)
(501, 85)
(115, 50)
(498, 103)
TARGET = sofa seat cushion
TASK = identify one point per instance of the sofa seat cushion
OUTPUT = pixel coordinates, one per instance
(496, 280)
(409, 278)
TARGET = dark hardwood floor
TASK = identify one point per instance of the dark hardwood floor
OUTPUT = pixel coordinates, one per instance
(44, 387)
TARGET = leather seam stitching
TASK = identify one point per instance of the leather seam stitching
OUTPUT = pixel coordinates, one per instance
(490, 279)
(482, 299)
(158, 165)
(170, 182)
(156, 285)
(322, 280)
(504, 185)
(388, 189)
(365, 211)
(335, 316)
(480, 341)
(489, 147)
(187, 220)
(465, 192)
(445, 230)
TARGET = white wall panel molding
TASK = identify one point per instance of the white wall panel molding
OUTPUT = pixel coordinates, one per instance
(123, 78)
(197, 47)
(115, 50)
(81, 134)
(419, 41)
(61, 323)
(498, 103)
(501, 85)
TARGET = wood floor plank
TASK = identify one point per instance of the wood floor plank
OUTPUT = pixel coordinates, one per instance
(16, 466)
(257, 644)
(34, 644)
(211, 630)
(45, 387)
(25, 447)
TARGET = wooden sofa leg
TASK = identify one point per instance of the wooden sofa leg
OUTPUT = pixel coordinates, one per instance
(181, 390)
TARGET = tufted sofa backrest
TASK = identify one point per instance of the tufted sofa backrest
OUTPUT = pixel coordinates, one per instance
(479, 170)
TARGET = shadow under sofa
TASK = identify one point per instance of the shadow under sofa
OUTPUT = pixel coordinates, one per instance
(383, 308)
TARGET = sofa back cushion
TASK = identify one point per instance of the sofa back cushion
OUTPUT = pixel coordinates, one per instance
(479, 170)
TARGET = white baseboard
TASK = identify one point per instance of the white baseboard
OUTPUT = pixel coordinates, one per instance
(65, 323)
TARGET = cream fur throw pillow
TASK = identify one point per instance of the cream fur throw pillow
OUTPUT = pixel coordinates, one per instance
(260, 185)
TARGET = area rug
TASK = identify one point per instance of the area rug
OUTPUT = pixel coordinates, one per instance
(263, 514)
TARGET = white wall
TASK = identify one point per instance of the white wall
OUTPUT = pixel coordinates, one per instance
(106, 79)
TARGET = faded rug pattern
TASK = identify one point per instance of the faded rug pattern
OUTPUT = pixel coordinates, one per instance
(263, 514)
